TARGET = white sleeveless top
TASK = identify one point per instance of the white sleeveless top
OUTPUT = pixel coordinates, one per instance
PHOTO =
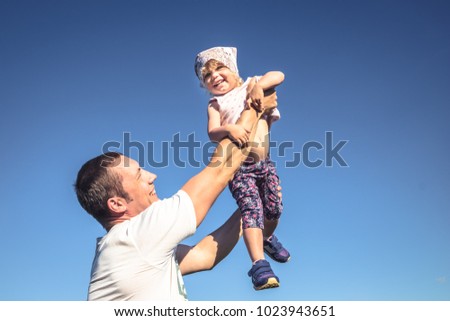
(232, 104)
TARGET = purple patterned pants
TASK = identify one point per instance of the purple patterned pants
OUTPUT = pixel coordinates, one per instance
(254, 187)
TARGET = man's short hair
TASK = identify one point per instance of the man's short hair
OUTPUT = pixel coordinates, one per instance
(96, 183)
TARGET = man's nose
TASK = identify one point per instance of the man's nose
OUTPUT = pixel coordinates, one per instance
(152, 178)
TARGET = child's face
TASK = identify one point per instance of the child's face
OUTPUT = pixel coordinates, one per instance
(220, 80)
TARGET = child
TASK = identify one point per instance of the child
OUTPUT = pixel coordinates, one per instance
(254, 185)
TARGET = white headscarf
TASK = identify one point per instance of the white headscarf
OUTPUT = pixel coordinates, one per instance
(226, 55)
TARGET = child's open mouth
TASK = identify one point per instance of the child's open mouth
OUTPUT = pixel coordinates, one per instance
(220, 81)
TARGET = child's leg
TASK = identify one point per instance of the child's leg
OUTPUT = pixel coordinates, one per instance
(269, 227)
(273, 208)
(245, 191)
(253, 238)
(261, 273)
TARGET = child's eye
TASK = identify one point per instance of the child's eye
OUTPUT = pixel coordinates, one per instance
(220, 67)
(207, 75)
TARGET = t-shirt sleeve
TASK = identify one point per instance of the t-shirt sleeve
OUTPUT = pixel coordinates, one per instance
(164, 225)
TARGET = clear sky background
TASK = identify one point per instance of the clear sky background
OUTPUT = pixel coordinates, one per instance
(75, 75)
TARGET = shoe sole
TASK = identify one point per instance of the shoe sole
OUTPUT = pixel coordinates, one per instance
(271, 283)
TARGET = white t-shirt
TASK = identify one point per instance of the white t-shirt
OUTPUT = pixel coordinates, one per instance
(136, 260)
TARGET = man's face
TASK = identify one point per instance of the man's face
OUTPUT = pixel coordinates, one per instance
(138, 183)
(220, 80)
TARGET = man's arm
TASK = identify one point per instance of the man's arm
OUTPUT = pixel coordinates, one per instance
(211, 249)
(205, 187)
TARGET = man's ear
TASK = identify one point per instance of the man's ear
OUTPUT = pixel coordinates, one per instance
(117, 206)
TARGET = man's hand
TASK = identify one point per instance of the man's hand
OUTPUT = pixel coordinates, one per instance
(270, 99)
(267, 102)
(255, 97)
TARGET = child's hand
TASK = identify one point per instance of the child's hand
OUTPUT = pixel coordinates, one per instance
(255, 97)
(238, 134)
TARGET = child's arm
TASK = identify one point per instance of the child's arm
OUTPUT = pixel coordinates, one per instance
(216, 133)
(255, 90)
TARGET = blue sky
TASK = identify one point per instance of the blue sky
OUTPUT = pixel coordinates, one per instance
(75, 75)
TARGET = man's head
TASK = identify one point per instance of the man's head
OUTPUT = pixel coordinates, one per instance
(112, 187)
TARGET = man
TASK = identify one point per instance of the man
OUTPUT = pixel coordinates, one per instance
(140, 258)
